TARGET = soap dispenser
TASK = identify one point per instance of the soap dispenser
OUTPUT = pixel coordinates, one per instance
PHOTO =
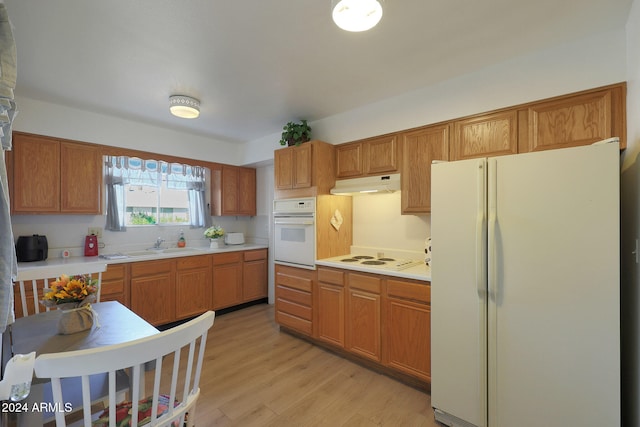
(181, 241)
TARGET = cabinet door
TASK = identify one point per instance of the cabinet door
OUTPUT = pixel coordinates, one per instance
(331, 313)
(363, 324)
(408, 337)
(227, 280)
(487, 135)
(246, 191)
(419, 149)
(302, 166)
(381, 155)
(153, 291)
(36, 175)
(193, 286)
(81, 178)
(349, 160)
(283, 166)
(254, 278)
(229, 190)
(573, 120)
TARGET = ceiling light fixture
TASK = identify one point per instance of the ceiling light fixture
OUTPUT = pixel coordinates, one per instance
(184, 106)
(356, 15)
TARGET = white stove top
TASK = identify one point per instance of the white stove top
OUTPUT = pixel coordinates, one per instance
(383, 263)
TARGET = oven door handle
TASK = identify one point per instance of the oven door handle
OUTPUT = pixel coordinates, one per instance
(293, 221)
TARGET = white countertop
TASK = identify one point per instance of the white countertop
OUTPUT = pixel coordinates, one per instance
(419, 272)
(175, 253)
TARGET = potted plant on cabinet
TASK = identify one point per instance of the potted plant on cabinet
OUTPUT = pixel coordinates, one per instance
(295, 133)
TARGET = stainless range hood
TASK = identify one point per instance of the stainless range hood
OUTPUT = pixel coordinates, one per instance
(369, 184)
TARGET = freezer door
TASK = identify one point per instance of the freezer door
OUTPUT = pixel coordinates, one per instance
(458, 292)
(554, 329)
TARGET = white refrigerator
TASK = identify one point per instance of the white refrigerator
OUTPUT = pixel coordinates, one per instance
(525, 321)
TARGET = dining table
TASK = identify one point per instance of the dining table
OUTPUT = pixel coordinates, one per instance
(114, 323)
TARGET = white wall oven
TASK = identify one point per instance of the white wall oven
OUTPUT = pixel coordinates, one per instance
(294, 239)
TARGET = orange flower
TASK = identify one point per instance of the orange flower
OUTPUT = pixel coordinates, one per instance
(69, 289)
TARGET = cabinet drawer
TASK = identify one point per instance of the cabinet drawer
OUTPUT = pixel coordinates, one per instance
(149, 268)
(294, 322)
(294, 309)
(295, 282)
(114, 271)
(228, 258)
(294, 295)
(255, 255)
(189, 262)
(112, 287)
(409, 290)
(365, 283)
(335, 277)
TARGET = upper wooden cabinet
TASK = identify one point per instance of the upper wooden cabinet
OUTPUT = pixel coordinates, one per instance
(52, 176)
(486, 135)
(373, 156)
(579, 119)
(233, 191)
(419, 148)
(305, 170)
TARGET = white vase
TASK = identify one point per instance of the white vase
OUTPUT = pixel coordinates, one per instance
(215, 244)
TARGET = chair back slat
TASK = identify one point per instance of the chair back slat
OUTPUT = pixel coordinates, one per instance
(135, 355)
(33, 281)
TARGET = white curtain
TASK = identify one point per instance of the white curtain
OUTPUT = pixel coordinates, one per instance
(122, 170)
(8, 264)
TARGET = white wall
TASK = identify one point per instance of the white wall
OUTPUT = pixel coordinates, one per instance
(584, 64)
(378, 224)
(630, 226)
(44, 118)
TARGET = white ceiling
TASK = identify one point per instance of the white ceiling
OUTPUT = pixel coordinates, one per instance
(257, 64)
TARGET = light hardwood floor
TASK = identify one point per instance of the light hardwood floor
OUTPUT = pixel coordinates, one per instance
(254, 375)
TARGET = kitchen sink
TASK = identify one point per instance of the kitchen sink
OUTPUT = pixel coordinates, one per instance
(153, 251)
(177, 250)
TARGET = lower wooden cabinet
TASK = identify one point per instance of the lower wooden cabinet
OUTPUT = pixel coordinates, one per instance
(153, 291)
(168, 290)
(115, 284)
(364, 316)
(254, 275)
(331, 306)
(227, 279)
(294, 298)
(408, 328)
(382, 319)
(193, 286)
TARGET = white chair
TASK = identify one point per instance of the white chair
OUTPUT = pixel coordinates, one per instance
(167, 345)
(31, 282)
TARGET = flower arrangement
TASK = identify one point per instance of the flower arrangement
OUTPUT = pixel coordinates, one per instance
(214, 232)
(74, 290)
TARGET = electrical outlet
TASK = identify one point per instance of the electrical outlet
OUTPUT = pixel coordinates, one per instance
(97, 231)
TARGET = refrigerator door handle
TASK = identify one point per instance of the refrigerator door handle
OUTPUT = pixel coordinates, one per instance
(493, 220)
(481, 231)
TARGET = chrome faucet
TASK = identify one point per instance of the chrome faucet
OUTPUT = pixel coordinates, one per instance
(158, 242)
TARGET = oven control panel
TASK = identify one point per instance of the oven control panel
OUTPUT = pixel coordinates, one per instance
(294, 206)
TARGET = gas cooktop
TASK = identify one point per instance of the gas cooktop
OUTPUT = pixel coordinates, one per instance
(386, 263)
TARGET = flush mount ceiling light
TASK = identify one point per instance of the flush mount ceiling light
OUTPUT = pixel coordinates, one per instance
(184, 106)
(356, 15)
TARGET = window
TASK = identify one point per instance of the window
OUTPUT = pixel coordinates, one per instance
(151, 192)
